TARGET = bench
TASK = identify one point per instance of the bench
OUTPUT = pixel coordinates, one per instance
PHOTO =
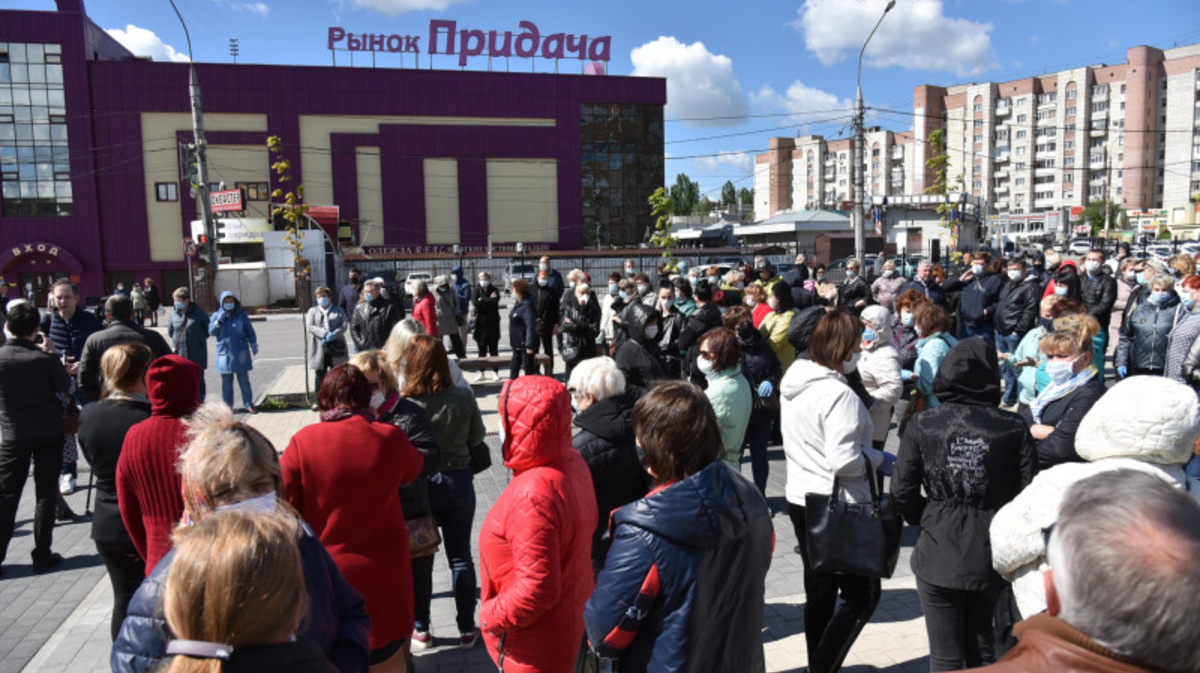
(495, 362)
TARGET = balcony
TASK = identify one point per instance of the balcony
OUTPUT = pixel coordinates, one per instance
(1003, 109)
(1043, 155)
(1100, 97)
(1196, 152)
(1096, 182)
(1098, 131)
(1046, 102)
(1045, 204)
(897, 152)
(1001, 157)
(1100, 114)
(1000, 173)
(1096, 162)
(1000, 189)
(1043, 172)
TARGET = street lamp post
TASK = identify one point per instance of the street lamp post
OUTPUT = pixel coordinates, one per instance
(856, 216)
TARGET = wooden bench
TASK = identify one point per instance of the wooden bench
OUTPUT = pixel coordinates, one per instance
(495, 362)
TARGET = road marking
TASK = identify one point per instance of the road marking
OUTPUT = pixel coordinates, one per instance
(288, 359)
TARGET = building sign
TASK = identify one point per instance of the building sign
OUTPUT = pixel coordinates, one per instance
(34, 249)
(499, 248)
(228, 201)
(446, 38)
(235, 230)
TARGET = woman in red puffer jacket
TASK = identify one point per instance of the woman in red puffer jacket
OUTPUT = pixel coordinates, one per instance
(536, 543)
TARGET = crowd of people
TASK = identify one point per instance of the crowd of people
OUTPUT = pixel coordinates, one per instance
(1058, 523)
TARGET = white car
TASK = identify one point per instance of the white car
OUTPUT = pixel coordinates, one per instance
(1080, 247)
(414, 276)
(1162, 252)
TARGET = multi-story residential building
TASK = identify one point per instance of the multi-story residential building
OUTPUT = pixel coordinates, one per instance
(1128, 132)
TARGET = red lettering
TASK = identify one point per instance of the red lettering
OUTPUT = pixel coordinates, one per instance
(412, 43)
(353, 42)
(376, 42)
(395, 43)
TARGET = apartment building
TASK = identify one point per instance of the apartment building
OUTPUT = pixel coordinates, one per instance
(1128, 132)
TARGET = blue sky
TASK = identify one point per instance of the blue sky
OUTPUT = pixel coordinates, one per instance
(738, 73)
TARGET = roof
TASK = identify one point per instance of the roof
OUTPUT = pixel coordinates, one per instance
(796, 221)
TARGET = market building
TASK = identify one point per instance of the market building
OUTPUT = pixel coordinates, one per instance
(95, 165)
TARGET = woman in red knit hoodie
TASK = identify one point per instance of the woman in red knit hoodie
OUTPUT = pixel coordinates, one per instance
(149, 491)
(343, 475)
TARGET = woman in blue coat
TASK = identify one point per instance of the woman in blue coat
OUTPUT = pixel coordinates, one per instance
(236, 342)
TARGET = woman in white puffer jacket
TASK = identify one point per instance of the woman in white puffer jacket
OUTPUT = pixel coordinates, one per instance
(1144, 423)
(880, 370)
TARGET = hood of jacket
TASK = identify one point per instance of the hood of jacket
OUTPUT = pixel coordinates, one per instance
(969, 375)
(801, 328)
(1148, 418)
(703, 511)
(804, 374)
(535, 415)
(1065, 263)
(230, 295)
(173, 386)
(610, 419)
(639, 315)
(881, 318)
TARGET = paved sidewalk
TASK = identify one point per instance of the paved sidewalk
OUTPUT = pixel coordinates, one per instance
(59, 622)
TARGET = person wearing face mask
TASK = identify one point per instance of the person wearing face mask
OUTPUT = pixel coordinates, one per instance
(761, 369)
(1055, 414)
(1024, 361)
(1183, 349)
(1127, 284)
(827, 442)
(755, 300)
(925, 284)
(670, 326)
(1065, 282)
(350, 499)
(774, 327)
(1038, 268)
(548, 310)
(236, 344)
(326, 325)
(348, 297)
(719, 360)
(887, 286)
(523, 330)
(611, 304)
(462, 292)
(375, 315)
(230, 466)
(630, 268)
(1098, 290)
(639, 357)
(580, 326)
(980, 295)
(854, 293)
(1142, 348)
(685, 303)
(485, 298)
(102, 430)
(1016, 314)
(904, 335)
(932, 325)
(446, 307)
(879, 368)
(707, 316)
(1145, 273)
(424, 310)
(556, 284)
(187, 330)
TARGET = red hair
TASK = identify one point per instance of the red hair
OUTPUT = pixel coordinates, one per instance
(1190, 283)
(345, 386)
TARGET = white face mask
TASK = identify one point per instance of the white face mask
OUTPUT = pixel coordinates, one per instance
(652, 332)
(888, 273)
(583, 300)
(851, 364)
(1091, 266)
(377, 400)
(268, 502)
(705, 365)
(485, 283)
(1015, 274)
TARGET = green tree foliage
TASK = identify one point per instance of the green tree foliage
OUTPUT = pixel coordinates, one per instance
(662, 206)
(1093, 216)
(939, 163)
(728, 194)
(291, 206)
(685, 195)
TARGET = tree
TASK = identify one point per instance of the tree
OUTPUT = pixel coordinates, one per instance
(1093, 216)
(746, 194)
(939, 163)
(685, 195)
(662, 205)
(729, 194)
(293, 210)
(705, 206)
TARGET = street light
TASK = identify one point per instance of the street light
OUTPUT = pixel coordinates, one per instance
(856, 216)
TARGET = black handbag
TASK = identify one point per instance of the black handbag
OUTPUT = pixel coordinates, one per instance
(853, 539)
(481, 457)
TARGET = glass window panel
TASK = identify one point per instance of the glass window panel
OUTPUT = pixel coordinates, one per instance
(37, 74)
(40, 113)
(54, 74)
(45, 190)
(12, 190)
(16, 52)
(5, 72)
(20, 73)
(28, 189)
(20, 95)
(41, 131)
(56, 98)
(8, 156)
(45, 171)
(5, 94)
(62, 190)
(35, 53)
(53, 58)
(8, 132)
(53, 48)
(43, 154)
(58, 131)
(22, 113)
(38, 97)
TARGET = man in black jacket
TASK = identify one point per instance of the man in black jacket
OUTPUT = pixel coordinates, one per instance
(33, 385)
(1016, 314)
(705, 317)
(121, 329)
(980, 294)
(1099, 291)
(373, 318)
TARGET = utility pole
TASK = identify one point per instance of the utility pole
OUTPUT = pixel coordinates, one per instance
(210, 231)
(856, 166)
(233, 49)
(1107, 191)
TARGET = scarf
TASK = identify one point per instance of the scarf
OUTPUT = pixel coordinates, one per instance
(1056, 391)
(342, 413)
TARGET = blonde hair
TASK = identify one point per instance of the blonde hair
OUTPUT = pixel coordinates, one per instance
(236, 579)
(397, 343)
(219, 451)
(1184, 264)
(375, 362)
(1048, 303)
(1073, 333)
(123, 365)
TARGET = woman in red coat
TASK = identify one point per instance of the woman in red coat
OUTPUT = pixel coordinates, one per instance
(536, 543)
(343, 476)
(424, 307)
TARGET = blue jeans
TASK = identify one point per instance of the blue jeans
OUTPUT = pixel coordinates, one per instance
(1008, 344)
(1193, 467)
(982, 329)
(758, 437)
(243, 383)
(452, 500)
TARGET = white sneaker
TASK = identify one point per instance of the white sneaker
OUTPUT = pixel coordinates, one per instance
(478, 377)
(66, 484)
(495, 375)
(421, 640)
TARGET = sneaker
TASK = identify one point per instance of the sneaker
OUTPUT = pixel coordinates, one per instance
(467, 640)
(251, 410)
(66, 484)
(421, 640)
(478, 377)
(495, 375)
(46, 564)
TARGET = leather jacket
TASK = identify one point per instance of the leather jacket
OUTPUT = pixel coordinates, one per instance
(1099, 293)
(1017, 311)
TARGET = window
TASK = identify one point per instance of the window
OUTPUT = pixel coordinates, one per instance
(1069, 145)
(1020, 182)
(1069, 161)
(35, 164)
(978, 123)
(978, 137)
(1021, 151)
(1022, 102)
(1072, 95)
(1021, 134)
(1100, 107)
(979, 107)
(1021, 119)
(1045, 114)
(1122, 88)
(166, 191)
(1020, 166)
(1068, 178)
(977, 184)
(255, 191)
(1072, 110)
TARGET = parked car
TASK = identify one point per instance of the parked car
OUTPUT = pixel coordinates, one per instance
(1190, 247)
(416, 275)
(1080, 246)
(518, 270)
(1160, 251)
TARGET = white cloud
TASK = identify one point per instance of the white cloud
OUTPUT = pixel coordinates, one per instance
(700, 85)
(259, 8)
(741, 161)
(916, 34)
(398, 7)
(807, 104)
(143, 42)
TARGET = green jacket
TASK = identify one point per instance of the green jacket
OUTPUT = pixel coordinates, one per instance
(729, 393)
(457, 423)
(1027, 376)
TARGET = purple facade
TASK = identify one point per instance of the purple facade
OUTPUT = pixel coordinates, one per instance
(106, 237)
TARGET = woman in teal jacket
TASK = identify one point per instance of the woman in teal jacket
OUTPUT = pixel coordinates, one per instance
(236, 343)
(728, 391)
(932, 324)
(1028, 360)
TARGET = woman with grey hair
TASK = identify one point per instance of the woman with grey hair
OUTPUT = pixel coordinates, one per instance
(397, 344)
(1142, 348)
(603, 414)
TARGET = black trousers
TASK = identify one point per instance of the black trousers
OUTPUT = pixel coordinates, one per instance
(831, 628)
(521, 357)
(489, 346)
(15, 456)
(959, 624)
(126, 570)
(456, 345)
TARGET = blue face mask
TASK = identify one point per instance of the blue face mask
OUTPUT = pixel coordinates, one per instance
(868, 335)
(229, 306)
(368, 297)
(1060, 371)
(1187, 301)
(323, 302)
(1141, 278)
(906, 318)
(180, 306)
(851, 273)
(612, 289)
(1158, 297)
(623, 294)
